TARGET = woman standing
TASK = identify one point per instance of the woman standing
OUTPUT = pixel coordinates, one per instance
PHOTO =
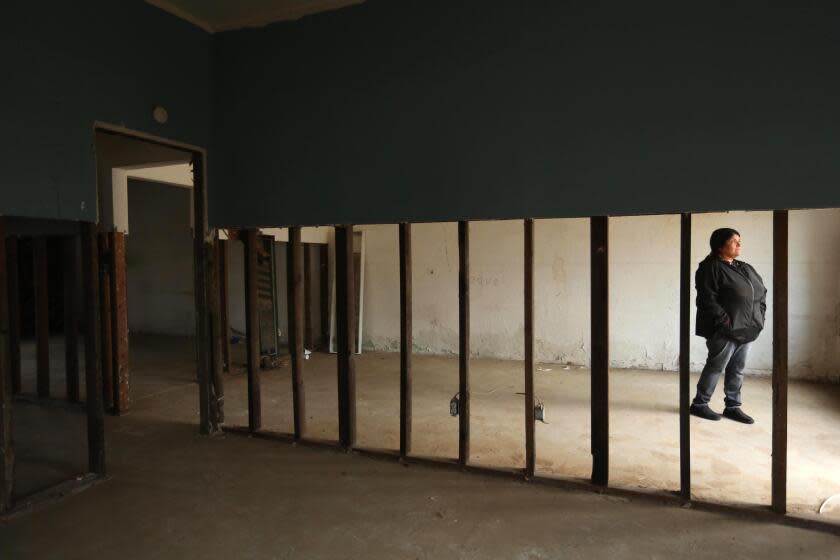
(731, 303)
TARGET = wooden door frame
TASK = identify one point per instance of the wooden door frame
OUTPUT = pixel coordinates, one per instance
(206, 279)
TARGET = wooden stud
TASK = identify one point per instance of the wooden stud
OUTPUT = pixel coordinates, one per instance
(71, 322)
(119, 323)
(295, 264)
(308, 321)
(780, 360)
(345, 331)
(685, 355)
(599, 226)
(7, 450)
(324, 303)
(224, 304)
(13, 280)
(530, 443)
(205, 271)
(252, 328)
(93, 362)
(42, 315)
(463, 343)
(105, 346)
(217, 343)
(406, 340)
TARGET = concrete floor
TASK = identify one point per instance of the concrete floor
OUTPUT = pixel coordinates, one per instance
(173, 493)
(730, 461)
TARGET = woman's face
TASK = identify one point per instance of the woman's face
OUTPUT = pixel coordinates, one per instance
(732, 248)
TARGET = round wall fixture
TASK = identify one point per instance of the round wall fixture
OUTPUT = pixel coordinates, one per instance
(160, 114)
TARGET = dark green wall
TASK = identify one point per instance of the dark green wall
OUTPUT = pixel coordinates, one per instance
(436, 110)
(68, 64)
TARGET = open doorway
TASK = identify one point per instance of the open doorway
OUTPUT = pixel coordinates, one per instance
(147, 243)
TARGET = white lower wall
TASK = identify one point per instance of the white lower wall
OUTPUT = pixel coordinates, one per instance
(644, 289)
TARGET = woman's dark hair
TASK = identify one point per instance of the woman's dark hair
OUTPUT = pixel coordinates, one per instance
(720, 237)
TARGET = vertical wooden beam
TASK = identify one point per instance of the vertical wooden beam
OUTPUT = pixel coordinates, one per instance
(13, 280)
(217, 342)
(530, 443)
(105, 346)
(599, 234)
(93, 345)
(252, 328)
(205, 272)
(71, 323)
(7, 450)
(42, 315)
(685, 355)
(224, 304)
(119, 323)
(463, 342)
(780, 360)
(324, 303)
(295, 263)
(406, 340)
(308, 322)
(345, 330)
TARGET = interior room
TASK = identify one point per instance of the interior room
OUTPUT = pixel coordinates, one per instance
(395, 279)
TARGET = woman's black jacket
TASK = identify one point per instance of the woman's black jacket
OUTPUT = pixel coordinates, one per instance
(731, 300)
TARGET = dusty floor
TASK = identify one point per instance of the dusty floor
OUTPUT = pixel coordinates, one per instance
(172, 493)
(730, 461)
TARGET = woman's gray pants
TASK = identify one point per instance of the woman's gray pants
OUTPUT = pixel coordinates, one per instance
(725, 356)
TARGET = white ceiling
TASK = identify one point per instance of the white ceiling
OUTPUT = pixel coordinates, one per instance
(224, 15)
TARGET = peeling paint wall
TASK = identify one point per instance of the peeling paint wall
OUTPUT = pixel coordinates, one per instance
(644, 289)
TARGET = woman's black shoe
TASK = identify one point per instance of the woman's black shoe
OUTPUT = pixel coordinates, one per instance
(738, 415)
(703, 411)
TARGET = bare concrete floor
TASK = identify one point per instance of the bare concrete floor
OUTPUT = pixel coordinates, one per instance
(730, 461)
(50, 441)
(174, 494)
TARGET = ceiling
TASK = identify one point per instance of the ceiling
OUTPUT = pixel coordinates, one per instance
(224, 15)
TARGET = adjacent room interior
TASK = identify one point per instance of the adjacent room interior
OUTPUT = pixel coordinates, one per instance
(381, 278)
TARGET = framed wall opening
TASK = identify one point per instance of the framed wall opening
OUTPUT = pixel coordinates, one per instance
(562, 347)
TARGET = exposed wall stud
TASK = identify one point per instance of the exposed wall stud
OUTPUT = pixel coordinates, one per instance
(71, 323)
(464, 343)
(216, 394)
(105, 346)
(252, 328)
(406, 340)
(599, 231)
(780, 360)
(345, 334)
(119, 323)
(224, 304)
(295, 264)
(205, 270)
(530, 443)
(93, 363)
(685, 355)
